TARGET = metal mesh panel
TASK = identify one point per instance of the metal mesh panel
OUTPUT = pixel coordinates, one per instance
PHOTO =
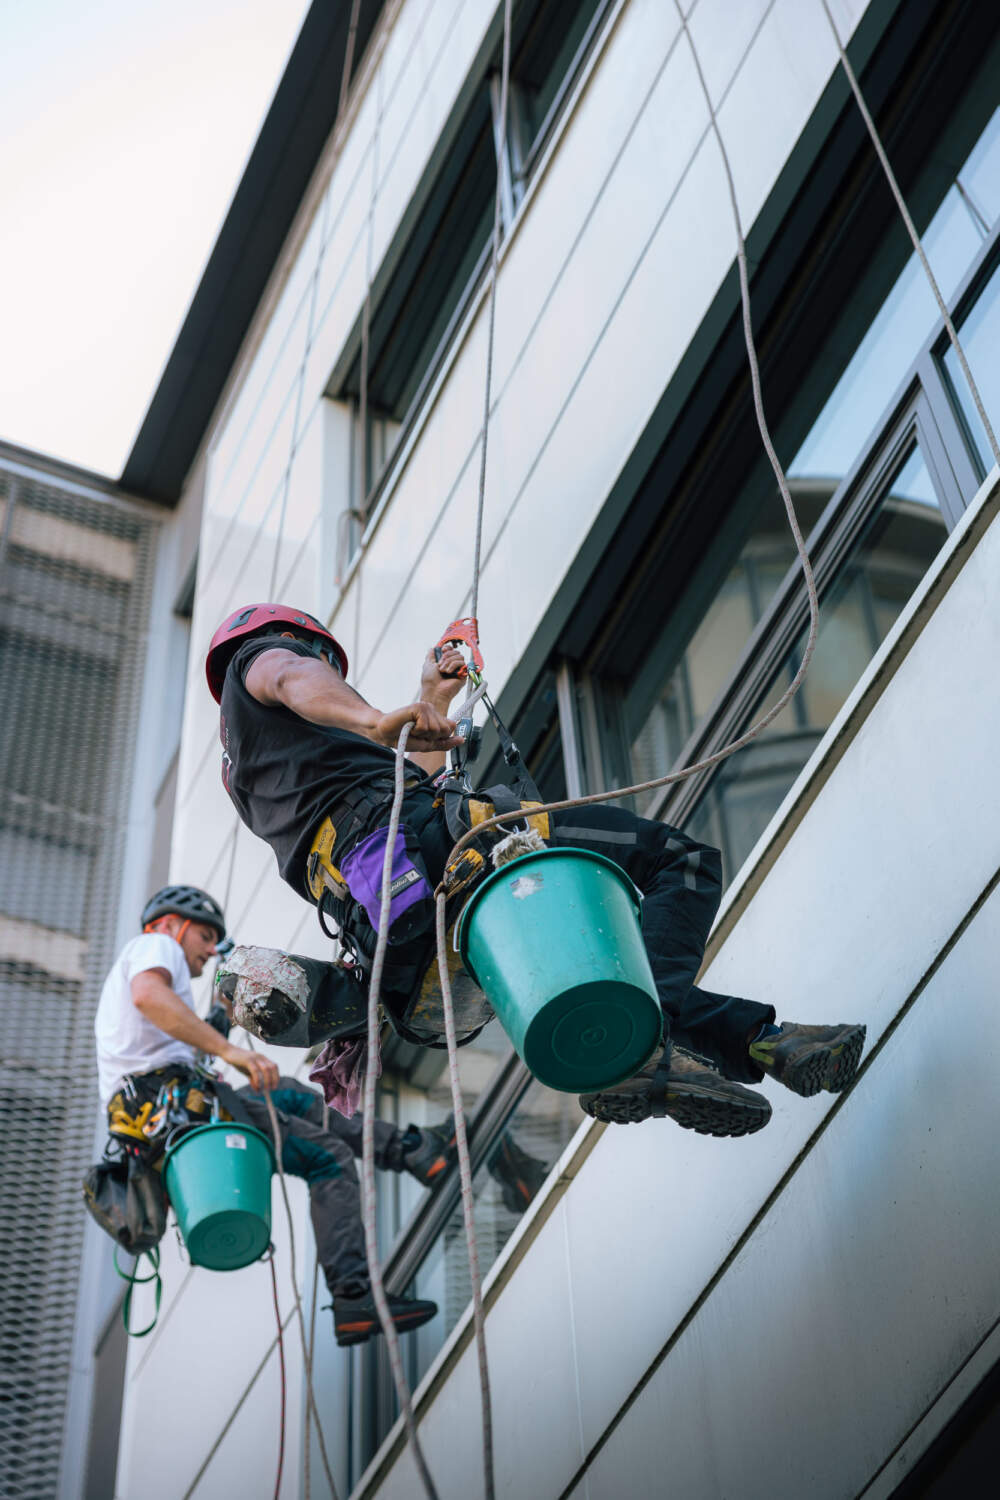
(74, 595)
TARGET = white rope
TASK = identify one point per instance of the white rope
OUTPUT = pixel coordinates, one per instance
(366, 310)
(368, 1133)
(306, 1461)
(468, 1202)
(501, 146)
(345, 77)
(911, 230)
(306, 1350)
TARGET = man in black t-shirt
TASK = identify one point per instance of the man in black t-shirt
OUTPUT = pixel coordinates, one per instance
(302, 747)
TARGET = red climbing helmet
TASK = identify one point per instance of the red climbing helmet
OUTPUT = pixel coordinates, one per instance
(254, 619)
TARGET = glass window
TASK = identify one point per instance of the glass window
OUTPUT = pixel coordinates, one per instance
(515, 1167)
(711, 623)
(859, 608)
(980, 336)
(418, 312)
(954, 237)
(679, 685)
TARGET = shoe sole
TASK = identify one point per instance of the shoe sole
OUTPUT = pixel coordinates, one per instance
(829, 1066)
(360, 1333)
(690, 1107)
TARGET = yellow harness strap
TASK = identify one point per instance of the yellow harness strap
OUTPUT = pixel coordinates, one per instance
(321, 872)
(480, 811)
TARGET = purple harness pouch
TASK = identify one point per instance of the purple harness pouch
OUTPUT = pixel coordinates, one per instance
(411, 907)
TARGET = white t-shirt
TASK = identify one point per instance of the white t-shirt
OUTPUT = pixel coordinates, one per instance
(126, 1041)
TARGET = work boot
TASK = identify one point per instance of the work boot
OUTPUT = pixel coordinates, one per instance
(519, 1175)
(685, 1088)
(809, 1058)
(432, 1151)
(355, 1319)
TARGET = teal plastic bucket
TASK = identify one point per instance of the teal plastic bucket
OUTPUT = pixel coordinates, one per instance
(554, 941)
(218, 1179)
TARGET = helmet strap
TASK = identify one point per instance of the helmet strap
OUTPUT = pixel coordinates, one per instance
(157, 926)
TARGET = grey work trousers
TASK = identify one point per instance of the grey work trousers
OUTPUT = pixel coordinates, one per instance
(324, 1157)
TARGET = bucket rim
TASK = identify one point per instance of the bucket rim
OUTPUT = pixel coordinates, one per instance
(631, 889)
(227, 1125)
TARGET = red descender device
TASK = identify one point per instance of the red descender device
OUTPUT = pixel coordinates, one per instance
(465, 632)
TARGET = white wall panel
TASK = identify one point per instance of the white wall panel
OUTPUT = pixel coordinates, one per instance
(722, 31)
(261, 393)
(771, 97)
(881, 1244)
(235, 467)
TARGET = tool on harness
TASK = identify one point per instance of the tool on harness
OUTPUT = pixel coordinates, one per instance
(123, 1193)
(465, 808)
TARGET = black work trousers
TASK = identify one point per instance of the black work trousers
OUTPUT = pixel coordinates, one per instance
(681, 884)
(324, 1156)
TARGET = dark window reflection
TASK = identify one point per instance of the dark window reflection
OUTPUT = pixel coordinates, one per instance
(727, 598)
(534, 1138)
(980, 336)
(952, 241)
(857, 612)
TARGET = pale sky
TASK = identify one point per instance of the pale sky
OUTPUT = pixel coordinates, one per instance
(125, 126)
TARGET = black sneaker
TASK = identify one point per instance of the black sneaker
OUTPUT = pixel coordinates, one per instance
(519, 1175)
(809, 1058)
(434, 1152)
(688, 1090)
(355, 1319)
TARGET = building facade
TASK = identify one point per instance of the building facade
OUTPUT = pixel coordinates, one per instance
(811, 1310)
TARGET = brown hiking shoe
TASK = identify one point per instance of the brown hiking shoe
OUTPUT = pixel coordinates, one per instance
(685, 1088)
(809, 1058)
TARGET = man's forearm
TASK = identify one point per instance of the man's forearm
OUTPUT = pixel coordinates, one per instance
(167, 1011)
(327, 701)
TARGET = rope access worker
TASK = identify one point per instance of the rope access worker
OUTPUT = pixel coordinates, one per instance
(303, 752)
(149, 1038)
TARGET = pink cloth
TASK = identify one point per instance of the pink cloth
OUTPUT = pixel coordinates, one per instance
(340, 1072)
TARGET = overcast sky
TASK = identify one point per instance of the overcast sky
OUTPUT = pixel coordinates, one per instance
(125, 126)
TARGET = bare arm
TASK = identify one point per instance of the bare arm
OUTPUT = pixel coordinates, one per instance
(153, 997)
(317, 693)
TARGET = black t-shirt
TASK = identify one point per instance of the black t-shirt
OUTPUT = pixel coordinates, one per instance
(283, 773)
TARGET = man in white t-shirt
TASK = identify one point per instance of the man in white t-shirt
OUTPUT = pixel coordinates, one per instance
(146, 1018)
(150, 1037)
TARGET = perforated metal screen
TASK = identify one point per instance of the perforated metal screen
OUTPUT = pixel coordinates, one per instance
(74, 596)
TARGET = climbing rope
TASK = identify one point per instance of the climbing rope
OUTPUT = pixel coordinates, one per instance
(500, 143)
(468, 1202)
(368, 1131)
(911, 230)
(306, 1350)
(306, 1462)
(281, 1358)
(345, 77)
